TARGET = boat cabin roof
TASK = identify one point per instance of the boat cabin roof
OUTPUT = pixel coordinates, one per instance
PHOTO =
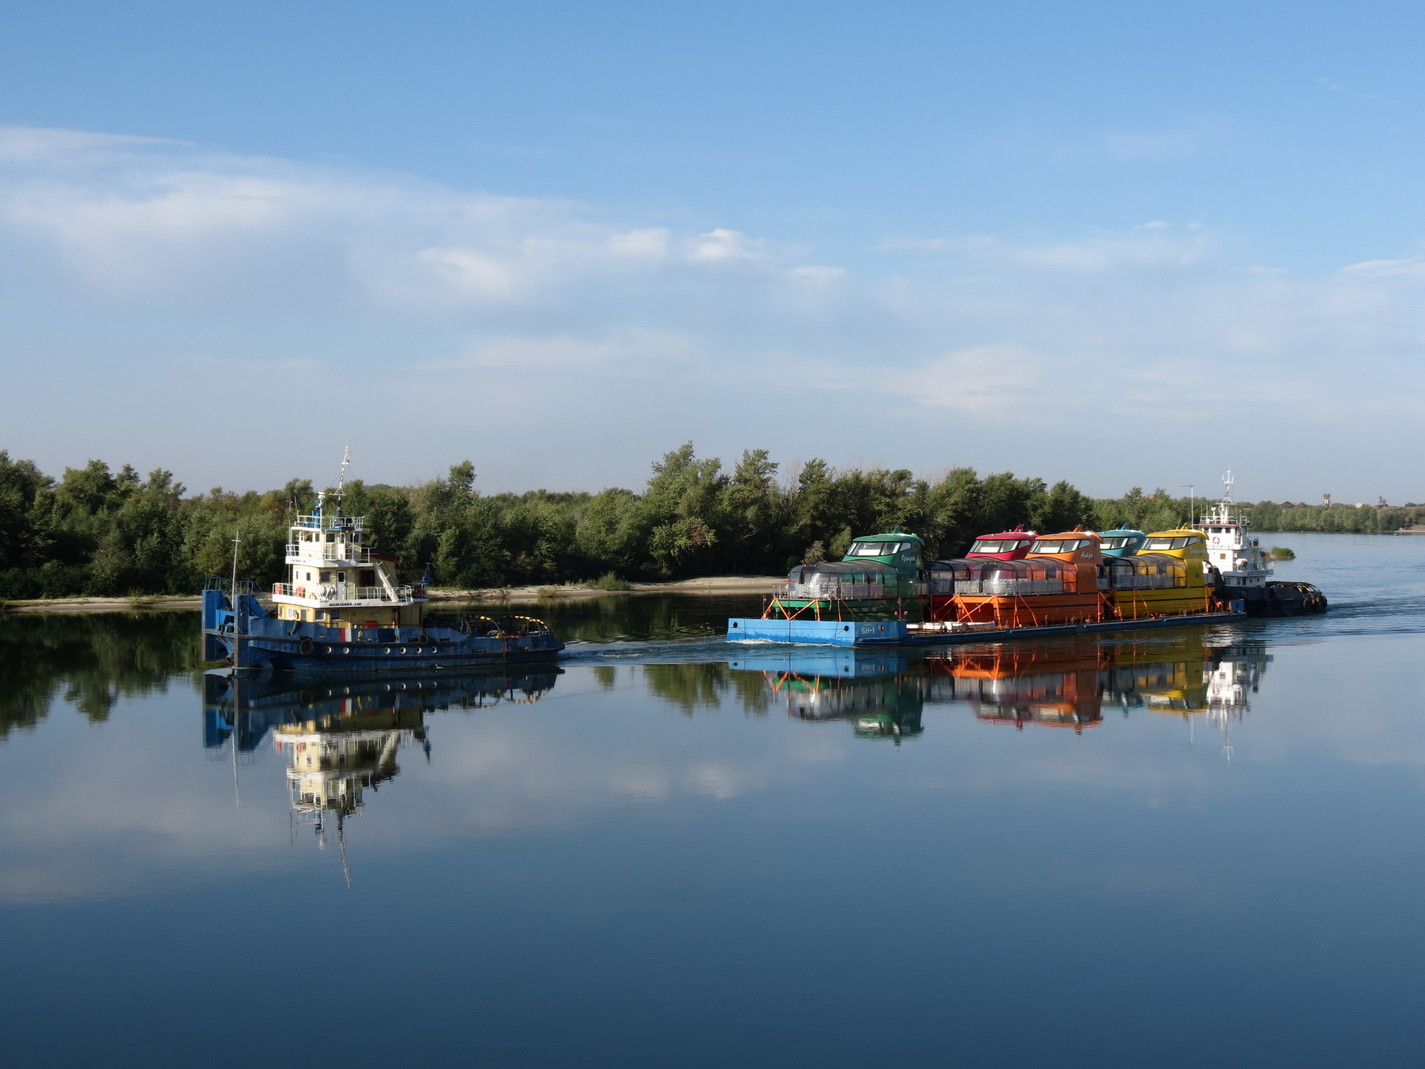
(1019, 534)
(1064, 542)
(881, 544)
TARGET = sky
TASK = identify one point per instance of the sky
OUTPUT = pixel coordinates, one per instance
(1118, 244)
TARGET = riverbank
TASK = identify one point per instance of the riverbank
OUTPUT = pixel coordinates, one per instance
(522, 595)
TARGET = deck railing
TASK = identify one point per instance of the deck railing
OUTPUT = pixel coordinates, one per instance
(324, 593)
(331, 522)
(329, 551)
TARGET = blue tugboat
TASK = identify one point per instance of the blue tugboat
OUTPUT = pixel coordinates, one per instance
(341, 611)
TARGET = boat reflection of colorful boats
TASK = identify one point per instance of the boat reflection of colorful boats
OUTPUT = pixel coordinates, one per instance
(1067, 683)
(1056, 684)
(1073, 683)
(879, 692)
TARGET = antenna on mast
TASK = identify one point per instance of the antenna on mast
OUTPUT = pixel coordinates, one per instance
(341, 478)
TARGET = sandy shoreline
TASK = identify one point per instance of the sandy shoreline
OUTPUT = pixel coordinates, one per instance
(523, 595)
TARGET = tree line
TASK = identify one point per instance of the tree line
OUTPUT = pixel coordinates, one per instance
(96, 532)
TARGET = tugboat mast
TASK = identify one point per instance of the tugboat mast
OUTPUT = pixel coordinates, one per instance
(232, 599)
(341, 479)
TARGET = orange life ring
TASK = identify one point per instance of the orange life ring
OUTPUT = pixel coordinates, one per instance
(301, 592)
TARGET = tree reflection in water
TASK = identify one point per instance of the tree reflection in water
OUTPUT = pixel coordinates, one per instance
(92, 660)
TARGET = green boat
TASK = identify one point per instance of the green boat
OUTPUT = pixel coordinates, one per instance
(882, 577)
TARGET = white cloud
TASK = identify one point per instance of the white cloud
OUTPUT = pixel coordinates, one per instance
(621, 349)
(1413, 267)
(818, 274)
(721, 245)
(993, 381)
(43, 147)
(1143, 247)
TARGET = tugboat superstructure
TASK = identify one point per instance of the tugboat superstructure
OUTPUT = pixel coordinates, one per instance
(336, 579)
(1242, 570)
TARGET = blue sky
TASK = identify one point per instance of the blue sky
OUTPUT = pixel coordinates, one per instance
(1107, 243)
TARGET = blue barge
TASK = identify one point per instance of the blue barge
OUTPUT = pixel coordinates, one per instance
(890, 633)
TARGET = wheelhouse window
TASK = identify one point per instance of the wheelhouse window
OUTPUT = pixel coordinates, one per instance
(1059, 545)
(872, 549)
(1159, 545)
(997, 545)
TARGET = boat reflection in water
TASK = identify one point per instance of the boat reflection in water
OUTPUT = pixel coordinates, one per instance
(879, 691)
(341, 739)
(1072, 684)
(1064, 684)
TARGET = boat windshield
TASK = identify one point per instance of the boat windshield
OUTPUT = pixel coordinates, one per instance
(1059, 545)
(997, 545)
(1158, 545)
(876, 549)
(1117, 541)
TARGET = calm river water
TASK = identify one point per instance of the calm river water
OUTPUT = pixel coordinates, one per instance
(1196, 847)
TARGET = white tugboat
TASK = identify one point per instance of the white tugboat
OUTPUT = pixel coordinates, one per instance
(342, 611)
(1243, 573)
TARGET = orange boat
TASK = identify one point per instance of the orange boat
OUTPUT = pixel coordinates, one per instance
(1061, 580)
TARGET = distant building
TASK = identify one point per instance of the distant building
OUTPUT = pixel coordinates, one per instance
(1326, 500)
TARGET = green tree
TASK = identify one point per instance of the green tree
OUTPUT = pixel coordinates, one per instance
(681, 505)
(753, 512)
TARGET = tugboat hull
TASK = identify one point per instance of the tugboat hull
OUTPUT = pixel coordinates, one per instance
(260, 640)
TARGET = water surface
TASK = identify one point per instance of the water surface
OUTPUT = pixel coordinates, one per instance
(1196, 845)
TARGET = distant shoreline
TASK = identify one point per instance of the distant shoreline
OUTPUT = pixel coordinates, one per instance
(521, 595)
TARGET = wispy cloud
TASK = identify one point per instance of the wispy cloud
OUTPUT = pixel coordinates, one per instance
(42, 147)
(1410, 268)
(1152, 245)
(1335, 87)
